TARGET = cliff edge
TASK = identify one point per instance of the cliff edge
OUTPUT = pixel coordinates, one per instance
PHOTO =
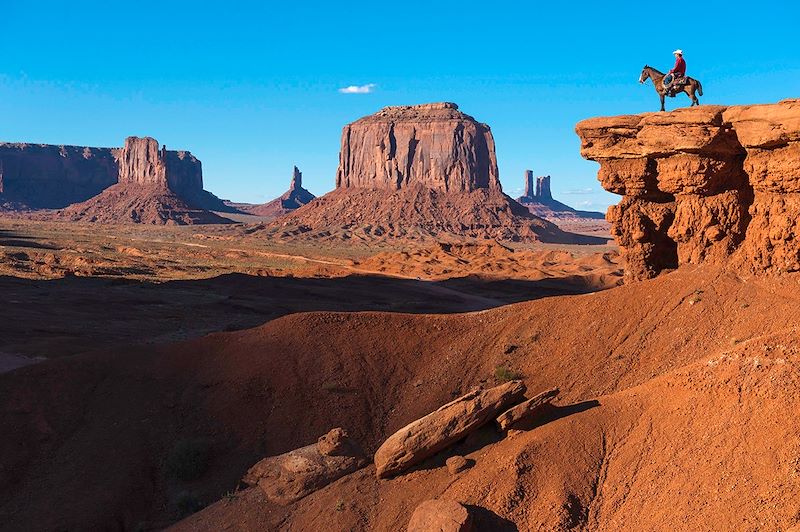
(709, 184)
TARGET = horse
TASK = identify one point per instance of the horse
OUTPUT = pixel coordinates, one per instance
(690, 86)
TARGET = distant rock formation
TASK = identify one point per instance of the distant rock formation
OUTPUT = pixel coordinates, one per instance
(292, 199)
(41, 176)
(539, 200)
(420, 171)
(434, 145)
(154, 186)
(706, 184)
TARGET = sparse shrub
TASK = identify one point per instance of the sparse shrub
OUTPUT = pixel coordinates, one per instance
(504, 374)
(510, 349)
(340, 506)
(189, 459)
(187, 503)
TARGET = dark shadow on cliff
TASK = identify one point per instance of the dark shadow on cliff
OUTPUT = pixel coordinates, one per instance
(53, 318)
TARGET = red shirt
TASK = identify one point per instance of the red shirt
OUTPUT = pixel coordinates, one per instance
(680, 66)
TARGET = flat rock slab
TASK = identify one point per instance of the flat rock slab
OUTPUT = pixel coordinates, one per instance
(527, 409)
(291, 476)
(438, 430)
(441, 516)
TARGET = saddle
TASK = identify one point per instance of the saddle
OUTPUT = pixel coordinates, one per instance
(673, 83)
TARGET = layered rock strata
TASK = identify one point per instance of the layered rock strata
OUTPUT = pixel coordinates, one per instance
(46, 176)
(702, 185)
(39, 176)
(434, 145)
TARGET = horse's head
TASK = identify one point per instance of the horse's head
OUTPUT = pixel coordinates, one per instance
(645, 74)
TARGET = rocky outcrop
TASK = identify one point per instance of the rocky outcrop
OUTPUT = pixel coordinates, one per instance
(155, 186)
(53, 177)
(705, 184)
(527, 409)
(418, 172)
(438, 430)
(293, 475)
(45, 176)
(439, 515)
(539, 201)
(434, 145)
(292, 199)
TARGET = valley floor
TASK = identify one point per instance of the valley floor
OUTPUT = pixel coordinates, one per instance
(677, 394)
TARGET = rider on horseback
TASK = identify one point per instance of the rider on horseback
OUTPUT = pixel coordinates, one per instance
(676, 77)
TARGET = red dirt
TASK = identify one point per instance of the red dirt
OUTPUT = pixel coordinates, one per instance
(695, 374)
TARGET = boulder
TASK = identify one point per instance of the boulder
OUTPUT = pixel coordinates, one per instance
(291, 476)
(526, 409)
(438, 430)
(437, 515)
(336, 443)
(457, 464)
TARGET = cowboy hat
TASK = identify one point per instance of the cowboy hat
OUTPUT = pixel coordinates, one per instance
(678, 51)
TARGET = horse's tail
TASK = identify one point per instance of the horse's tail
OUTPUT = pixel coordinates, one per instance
(699, 87)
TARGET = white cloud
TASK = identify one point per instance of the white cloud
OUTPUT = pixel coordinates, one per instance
(358, 89)
(579, 191)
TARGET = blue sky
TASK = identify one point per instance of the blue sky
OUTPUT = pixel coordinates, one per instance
(252, 88)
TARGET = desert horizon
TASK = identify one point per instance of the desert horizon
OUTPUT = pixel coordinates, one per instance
(450, 267)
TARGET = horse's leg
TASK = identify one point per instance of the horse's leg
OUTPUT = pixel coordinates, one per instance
(689, 90)
(661, 95)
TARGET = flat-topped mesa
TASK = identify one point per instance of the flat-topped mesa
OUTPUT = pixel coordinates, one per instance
(53, 176)
(434, 145)
(701, 185)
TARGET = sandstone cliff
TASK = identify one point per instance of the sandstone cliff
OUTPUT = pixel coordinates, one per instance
(434, 145)
(155, 186)
(705, 184)
(46, 176)
(40, 176)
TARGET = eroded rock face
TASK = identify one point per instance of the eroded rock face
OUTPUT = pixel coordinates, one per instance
(47, 176)
(141, 161)
(434, 145)
(701, 185)
(41, 176)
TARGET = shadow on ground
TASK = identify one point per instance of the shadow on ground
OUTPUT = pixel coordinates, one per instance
(53, 318)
